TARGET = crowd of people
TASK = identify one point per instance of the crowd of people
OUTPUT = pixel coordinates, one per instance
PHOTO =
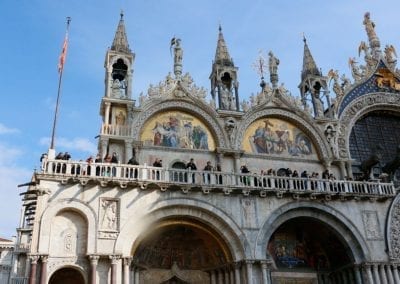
(245, 179)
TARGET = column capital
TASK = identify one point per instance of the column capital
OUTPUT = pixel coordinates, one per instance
(44, 258)
(114, 258)
(94, 259)
(127, 260)
(34, 258)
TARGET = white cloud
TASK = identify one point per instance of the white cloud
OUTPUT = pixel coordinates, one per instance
(10, 176)
(5, 130)
(79, 144)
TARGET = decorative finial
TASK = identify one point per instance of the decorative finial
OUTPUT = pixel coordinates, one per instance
(122, 14)
(219, 27)
(260, 66)
(304, 39)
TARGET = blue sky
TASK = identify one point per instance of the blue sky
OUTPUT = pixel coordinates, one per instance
(32, 33)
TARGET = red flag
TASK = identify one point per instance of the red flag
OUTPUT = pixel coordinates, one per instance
(63, 54)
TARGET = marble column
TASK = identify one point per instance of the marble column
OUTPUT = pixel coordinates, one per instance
(107, 114)
(43, 272)
(127, 264)
(265, 272)
(357, 274)
(375, 274)
(237, 273)
(382, 274)
(104, 144)
(226, 275)
(389, 274)
(368, 273)
(395, 273)
(220, 277)
(32, 276)
(137, 274)
(249, 271)
(232, 274)
(94, 260)
(213, 277)
(114, 260)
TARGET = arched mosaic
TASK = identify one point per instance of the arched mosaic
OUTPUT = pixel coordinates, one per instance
(177, 129)
(277, 137)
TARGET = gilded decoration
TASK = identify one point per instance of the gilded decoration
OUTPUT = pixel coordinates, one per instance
(177, 130)
(277, 137)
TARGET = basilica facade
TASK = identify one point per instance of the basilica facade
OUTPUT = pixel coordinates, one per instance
(192, 188)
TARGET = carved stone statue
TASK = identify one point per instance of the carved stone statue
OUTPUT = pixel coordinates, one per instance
(178, 55)
(390, 55)
(355, 70)
(273, 69)
(224, 96)
(245, 105)
(318, 104)
(391, 167)
(369, 26)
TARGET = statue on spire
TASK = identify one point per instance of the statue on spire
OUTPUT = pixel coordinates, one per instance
(372, 37)
(178, 54)
(273, 69)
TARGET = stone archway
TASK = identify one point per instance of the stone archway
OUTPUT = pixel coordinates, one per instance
(306, 250)
(67, 275)
(180, 251)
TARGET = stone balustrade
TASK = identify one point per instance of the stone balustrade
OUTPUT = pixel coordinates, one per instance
(125, 173)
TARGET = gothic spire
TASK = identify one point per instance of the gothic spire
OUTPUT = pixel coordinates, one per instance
(120, 42)
(222, 54)
(309, 66)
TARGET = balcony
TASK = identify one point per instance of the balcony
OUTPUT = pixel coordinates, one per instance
(116, 130)
(211, 181)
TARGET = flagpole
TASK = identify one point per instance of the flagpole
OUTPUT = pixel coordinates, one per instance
(61, 69)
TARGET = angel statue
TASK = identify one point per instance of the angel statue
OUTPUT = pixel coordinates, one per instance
(363, 47)
(390, 55)
(355, 70)
(337, 89)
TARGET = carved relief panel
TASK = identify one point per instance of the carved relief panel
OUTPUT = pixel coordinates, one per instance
(371, 225)
(108, 218)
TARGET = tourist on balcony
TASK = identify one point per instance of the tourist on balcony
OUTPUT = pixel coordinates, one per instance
(218, 177)
(98, 160)
(133, 172)
(244, 179)
(192, 166)
(296, 182)
(89, 162)
(304, 175)
(207, 168)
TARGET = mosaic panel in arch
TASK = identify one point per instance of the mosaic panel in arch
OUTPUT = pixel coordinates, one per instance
(277, 137)
(177, 130)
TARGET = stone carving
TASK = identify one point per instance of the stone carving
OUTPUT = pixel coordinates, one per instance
(69, 241)
(178, 55)
(249, 216)
(337, 88)
(245, 105)
(369, 60)
(273, 69)
(390, 56)
(394, 231)
(331, 137)
(109, 214)
(355, 70)
(371, 225)
(230, 125)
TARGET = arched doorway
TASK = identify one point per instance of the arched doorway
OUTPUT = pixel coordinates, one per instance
(67, 275)
(306, 250)
(180, 251)
(180, 175)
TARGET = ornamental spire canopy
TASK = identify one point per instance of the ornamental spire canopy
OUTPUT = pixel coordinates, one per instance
(221, 54)
(309, 66)
(120, 42)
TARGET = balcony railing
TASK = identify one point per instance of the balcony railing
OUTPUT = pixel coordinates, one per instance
(124, 173)
(19, 280)
(117, 130)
